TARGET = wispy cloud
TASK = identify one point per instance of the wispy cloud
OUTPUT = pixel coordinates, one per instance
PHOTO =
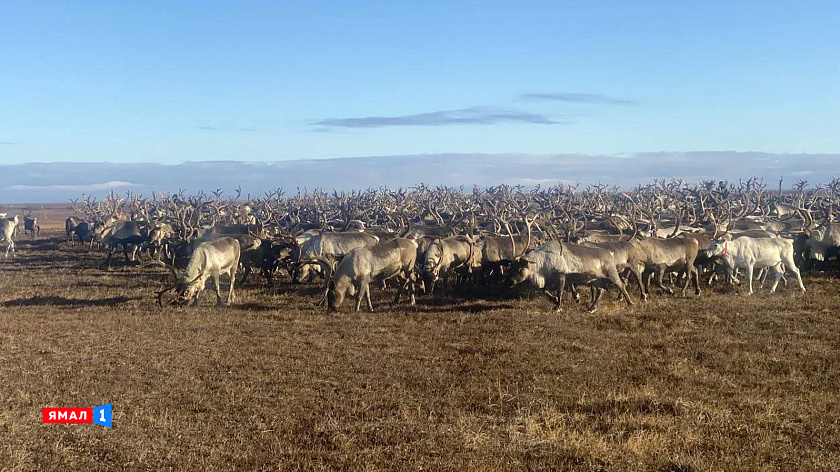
(6, 143)
(112, 184)
(577, 98)
(466, 116)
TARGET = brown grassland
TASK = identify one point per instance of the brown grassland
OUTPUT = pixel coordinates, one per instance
(719, 382)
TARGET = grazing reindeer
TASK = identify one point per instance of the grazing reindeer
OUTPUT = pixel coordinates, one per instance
(361, 266)
(330, 246)
(76, 226)
(266, 256)
(497, 252)
(823, 241)
(445, 255)
(121, 233)
(7, 231)
(555, 263)
(210, 258)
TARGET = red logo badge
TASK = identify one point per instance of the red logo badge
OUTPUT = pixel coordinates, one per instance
(68, 415)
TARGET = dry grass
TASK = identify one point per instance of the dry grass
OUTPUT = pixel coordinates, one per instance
(719, 382)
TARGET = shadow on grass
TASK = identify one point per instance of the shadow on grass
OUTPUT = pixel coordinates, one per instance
(47, 259)
(256, 307)
(298, 289)
(452, 306)
(62, 301)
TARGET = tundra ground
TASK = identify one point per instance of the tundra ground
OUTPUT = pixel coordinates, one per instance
(716, 382)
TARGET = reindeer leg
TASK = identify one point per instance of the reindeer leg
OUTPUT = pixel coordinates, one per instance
(218, 287)
(687, 279)
(245, 275)
(574, 293)
(359, 294)
(795, 271)
(696, 274)
(660, 275)
(713, 273)
(616, 280)
(750, 269)
(728, 275)
(107, 262)
(623, 280)
(762, 276)
(231, 295)
(268, 273)
(598, 292)
(777, 274)
(562, 286)
(412, 286)
(367, 296)
(430, 286)
(400, 288)
(638, 275)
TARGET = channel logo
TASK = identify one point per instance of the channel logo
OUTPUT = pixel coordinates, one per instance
(100, 415)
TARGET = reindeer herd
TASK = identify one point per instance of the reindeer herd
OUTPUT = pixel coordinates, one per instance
(424, 240)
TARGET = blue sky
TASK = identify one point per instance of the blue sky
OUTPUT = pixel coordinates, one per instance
(266, 81)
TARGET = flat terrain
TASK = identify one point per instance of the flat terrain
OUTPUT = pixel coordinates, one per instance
(716, 382)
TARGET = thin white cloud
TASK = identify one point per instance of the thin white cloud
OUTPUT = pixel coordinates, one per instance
(112, 184)
(465, 116)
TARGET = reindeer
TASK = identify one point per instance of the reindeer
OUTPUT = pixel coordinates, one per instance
(361, 266)
(555, 263)
(497, 252)
(30, 225)
(330, 246)
(757, 253)
(210, 258)
(159, 233)
(444, 256)
(121, 233)
(823, 242)
(7, 231)
(77, 227)
(663, 255)
(265, 257)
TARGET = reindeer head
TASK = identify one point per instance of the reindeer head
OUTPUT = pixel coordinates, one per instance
(186, 290)
(717, 248)
(520, 270)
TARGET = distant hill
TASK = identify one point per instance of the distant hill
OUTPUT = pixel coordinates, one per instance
(60, 181)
